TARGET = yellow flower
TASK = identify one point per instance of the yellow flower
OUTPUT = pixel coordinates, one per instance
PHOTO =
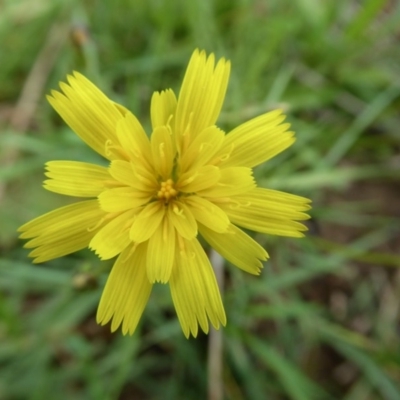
(158, 194)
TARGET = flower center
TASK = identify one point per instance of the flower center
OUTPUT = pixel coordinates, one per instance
(167, 191)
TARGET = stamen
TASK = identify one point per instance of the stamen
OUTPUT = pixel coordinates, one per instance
(140, 175)
(190, 179)
(163, 158)
(112, 149)
(186, 134)
(168, 124)
(234, 205)
(167, 191)
(177, 210)
(204, 146)
(223, 157)
(161, 150)
(94, 227)
(108, 145)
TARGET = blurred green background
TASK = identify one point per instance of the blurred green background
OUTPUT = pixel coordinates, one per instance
(323, 320)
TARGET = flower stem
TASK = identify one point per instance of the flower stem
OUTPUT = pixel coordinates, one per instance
(214, 367)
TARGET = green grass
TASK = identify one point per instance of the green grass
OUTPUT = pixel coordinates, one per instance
(322, 320)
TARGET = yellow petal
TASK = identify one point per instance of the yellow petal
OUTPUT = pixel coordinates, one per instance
(134, 140)
(62, 218)
(122, 199)
(73, 178)
(133, 175)
(202, 93)
(199, 179)
(203, 148)
(122, 109)
(162, 151)
(113, 237)
(233, 181)
(122, 171)
(237, 247)
(88, 112)
(147, 222)
(126, 292)
(62, 231)
(195, 291)
(268, 211)
(268, 225)
(183, 219)
(208, 213)
(59, 248)
(163, 107)
(256, 141)
(161, 252)
(274, 203)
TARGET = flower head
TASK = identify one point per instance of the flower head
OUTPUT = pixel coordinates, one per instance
(159, 193)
